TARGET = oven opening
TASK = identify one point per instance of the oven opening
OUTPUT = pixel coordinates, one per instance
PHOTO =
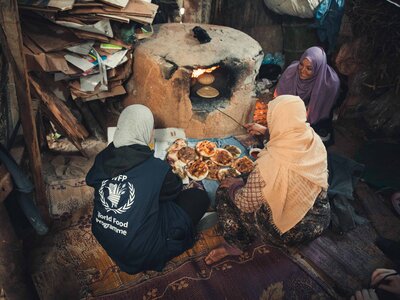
(211, 87)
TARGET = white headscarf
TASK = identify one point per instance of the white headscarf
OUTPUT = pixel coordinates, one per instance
(294, 163)
(135, 126)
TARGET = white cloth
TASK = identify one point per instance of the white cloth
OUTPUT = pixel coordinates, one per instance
(135, 126)
(293, 164)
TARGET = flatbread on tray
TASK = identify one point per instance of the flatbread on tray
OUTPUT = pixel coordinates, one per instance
(206, 148)
(227, 172)
(222, 157)
(213, 169)
(235, 151)
(177, 145)
(243, 165)
(187, 154)
(178, 168)
(197, 170)
(172, 157)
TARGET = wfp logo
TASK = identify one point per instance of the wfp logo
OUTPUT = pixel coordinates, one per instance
(115, 191)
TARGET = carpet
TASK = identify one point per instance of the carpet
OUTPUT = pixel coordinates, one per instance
(69, 264)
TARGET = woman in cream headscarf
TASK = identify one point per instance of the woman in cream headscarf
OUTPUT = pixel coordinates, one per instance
(284, 200)
(141, 216)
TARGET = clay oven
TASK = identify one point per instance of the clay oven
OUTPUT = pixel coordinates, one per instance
(169, 77)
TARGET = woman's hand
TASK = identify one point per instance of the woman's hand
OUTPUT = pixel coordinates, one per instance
(255, 129)
(391, 283)
(227, 182)
(365, 295)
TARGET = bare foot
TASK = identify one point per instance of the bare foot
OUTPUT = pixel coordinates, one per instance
(220, 252)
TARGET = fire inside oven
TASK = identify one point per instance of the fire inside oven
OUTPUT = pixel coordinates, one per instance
(211, 87)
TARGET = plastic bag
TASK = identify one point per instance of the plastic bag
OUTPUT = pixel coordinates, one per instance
(299, 8)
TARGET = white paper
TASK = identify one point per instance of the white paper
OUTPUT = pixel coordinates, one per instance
(61, 4)
(164, 137)
(89, 83)
(102, 27)
(113, 60)
(83, 49)
(169, 134)
(79, 62)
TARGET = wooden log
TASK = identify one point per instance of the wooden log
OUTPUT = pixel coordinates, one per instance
(59, 113)
(11, 42)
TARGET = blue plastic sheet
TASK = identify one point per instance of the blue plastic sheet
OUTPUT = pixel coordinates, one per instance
(328, 18)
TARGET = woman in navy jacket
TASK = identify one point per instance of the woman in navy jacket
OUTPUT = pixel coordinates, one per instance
(141, 216)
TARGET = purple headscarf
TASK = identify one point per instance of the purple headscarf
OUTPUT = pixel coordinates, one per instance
(320, 91)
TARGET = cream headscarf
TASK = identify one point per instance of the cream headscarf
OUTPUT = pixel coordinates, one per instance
(135, 126)
(293, 164)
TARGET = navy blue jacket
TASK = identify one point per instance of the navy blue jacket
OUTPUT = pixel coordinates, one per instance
(137, 230)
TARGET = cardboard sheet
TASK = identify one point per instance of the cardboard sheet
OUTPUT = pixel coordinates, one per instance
(48, 36)
(45, 62)
(88, 96)
(100, 27)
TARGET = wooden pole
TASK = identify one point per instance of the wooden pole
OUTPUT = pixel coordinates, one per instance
(11, 42)
(59, 113)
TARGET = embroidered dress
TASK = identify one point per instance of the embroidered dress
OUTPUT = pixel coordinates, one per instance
(244, 215)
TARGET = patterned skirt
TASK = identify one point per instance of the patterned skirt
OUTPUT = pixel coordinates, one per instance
(240, 229)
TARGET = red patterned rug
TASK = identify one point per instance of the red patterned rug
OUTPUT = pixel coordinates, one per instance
(69, 264)
(263, 272)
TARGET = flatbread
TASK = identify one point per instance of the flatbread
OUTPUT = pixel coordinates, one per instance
(177, 145)
(206, 148)
(212, 170)
(235, 151)
(243, 165)
(197, 170)
(172, 157)
(187, 154)
(222, 157)
(179, 168)
(227, 172)
(206, 78)
(207, 92)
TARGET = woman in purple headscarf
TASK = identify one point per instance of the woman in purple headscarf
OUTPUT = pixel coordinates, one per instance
(314, 81)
